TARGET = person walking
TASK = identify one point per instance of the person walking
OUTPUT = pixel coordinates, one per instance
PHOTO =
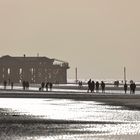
(89, 85)
(125, 87)
(23, 85)
(27, 85)
(51, 85)
(92, 86)
(42, 86)
(5, 84)
(97, 86)
(47, 84)
(12, 85)
(133, 87)
(103, 87)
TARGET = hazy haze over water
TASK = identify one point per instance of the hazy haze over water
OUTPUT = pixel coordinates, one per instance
(99, 37)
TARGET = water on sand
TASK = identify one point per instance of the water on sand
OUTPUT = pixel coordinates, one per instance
(41, 119)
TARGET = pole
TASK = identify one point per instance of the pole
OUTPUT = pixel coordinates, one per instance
(124, 74)
(76, 75)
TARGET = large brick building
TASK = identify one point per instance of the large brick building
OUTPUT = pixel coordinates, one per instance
(32, 69)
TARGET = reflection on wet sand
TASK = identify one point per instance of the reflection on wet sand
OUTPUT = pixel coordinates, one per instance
(41, 119)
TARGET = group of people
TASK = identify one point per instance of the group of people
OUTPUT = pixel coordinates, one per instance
(132, 87)
(5, 84)
(92, 86)
(47, 85)
(25, 85)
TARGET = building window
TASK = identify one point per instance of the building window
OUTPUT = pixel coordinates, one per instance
(20, 71)
(32, 71)
(8, 71)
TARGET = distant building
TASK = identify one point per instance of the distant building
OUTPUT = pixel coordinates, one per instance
(32, 69)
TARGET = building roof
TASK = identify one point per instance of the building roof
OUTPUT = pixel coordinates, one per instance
(27, 59)
(37, 59)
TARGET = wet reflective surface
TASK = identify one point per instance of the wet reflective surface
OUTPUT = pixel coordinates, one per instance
(41, 119)
(74, 89)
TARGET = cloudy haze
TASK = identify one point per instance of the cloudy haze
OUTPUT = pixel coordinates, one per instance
(99, 37)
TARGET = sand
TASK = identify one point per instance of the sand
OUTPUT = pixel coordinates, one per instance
(14, 126)
(127, 100)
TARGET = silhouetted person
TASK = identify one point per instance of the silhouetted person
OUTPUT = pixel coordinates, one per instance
(125, 87)
(27, 85)
(5, 84)
(92, 86)
(97, 86)
(80, 84)
(133, 87)
(51, 85)
(89, 85)
(39, 88)
(103, 87)
(12, 85)
(47, 86)
(42, 86)
(24, 85)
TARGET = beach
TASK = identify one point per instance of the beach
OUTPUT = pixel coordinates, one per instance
(127, 100)
(68, 115)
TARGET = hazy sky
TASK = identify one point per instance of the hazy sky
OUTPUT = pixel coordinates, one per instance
(99, 37)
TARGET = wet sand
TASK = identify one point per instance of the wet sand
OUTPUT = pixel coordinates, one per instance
(127, 100)
(15, 126)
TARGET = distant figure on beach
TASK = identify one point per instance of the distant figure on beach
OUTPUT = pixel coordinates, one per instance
(80, 84)
(51, 85)
(116, 83)
(92, 86)
(125, 87)
(5, 84)
(27, 85)
(47, 86)
(103, 87)
(132, 87)
(24, 85)
(89, 85)
(97, 86)
(39, 88)
(12, 85)
(42, 86)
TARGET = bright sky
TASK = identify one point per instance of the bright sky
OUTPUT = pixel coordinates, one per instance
(99, 37)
